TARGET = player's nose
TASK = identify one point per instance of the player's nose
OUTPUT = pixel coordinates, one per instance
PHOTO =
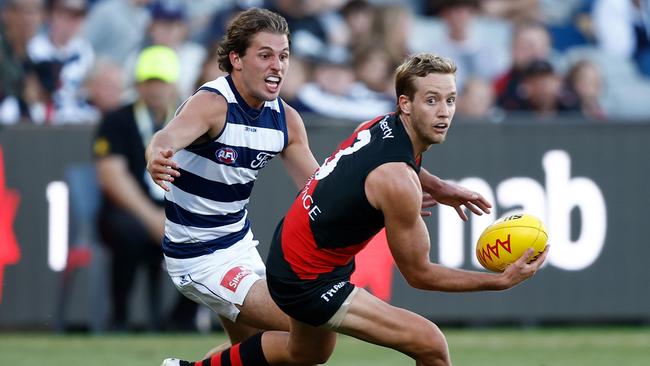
(276, 64)
(443, 110)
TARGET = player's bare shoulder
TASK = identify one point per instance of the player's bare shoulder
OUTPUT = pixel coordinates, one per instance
(295, 125)
(293, 117)
(208, 107)
(394, 182)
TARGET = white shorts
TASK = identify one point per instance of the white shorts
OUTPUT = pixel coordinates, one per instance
(219, 280)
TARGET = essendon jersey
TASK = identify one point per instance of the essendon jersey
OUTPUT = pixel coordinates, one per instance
(331, 219)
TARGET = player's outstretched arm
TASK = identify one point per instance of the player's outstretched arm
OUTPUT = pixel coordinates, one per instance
(203, 115)
(394, 189)
(440, 191)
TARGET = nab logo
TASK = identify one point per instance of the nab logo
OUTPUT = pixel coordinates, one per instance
(226, 155)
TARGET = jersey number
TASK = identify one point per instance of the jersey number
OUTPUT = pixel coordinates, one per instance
(363, 138)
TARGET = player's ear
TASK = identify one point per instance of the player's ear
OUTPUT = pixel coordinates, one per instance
(235, 60)
(404, 104)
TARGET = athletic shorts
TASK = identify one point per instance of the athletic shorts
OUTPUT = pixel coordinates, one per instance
(313, 302)
(219, 280)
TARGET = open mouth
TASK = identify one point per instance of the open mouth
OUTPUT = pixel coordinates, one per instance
(441, 126)
(273, 81)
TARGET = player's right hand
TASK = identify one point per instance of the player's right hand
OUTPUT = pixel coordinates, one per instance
(520, 270)
(162, 168)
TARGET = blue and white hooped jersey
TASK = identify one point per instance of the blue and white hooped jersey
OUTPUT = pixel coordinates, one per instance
(206, 205)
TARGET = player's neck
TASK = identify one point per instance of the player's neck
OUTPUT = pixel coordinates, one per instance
(244, 93)
(419, 146)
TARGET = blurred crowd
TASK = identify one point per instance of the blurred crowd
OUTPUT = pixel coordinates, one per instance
(72, 61)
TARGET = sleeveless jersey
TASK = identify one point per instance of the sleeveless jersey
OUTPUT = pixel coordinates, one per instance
(331, 219)
(206, 205)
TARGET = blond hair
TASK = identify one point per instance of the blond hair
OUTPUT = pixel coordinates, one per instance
(419, 66)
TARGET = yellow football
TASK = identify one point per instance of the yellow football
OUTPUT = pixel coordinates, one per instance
(505, 240)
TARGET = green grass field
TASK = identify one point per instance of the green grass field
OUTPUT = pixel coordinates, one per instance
(469, 347)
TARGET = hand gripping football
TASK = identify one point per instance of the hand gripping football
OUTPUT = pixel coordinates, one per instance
(504, 241)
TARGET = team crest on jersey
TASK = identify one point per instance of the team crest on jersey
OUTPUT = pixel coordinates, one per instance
(226, 155)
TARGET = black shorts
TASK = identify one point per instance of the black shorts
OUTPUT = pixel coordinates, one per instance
(313, 302)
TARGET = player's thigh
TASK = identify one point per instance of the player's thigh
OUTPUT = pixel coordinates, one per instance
(259, 310)
(375, 321)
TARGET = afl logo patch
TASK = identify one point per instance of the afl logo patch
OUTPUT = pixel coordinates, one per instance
(226, 155)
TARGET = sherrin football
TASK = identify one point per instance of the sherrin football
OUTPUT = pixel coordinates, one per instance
(505, 240)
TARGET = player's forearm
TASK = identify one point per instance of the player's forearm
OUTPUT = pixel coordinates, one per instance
(161, 140)
(430, 183)
(300, 164)
(440, 278)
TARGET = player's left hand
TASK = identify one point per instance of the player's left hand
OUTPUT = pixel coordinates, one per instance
(456, 196)
(427, 202)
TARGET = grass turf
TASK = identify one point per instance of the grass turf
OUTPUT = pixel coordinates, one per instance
(469, 347)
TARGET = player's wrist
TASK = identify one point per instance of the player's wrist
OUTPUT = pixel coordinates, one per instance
(502, 281)
(430, 183)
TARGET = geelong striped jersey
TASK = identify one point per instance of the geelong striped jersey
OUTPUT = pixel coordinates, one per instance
(206, 205)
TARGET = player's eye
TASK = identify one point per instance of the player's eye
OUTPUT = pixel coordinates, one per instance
(431, 101)
(451, 101)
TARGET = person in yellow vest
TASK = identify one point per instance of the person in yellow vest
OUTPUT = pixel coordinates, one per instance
(132, 217)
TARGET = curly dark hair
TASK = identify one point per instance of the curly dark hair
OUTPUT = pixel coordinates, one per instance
(243, 28)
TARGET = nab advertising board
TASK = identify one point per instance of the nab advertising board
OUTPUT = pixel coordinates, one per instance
(585, 181)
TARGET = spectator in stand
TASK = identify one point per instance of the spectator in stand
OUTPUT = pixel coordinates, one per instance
(132, 217)
(358, 16)
(209, 68)
(316, 28)
(298, 75)
(476, 102)
(374, 68)
(465, 43)
(63, 59)
(585, 84)
(335, 92)
(216, 28)
(542, 91)
(515, 11)
(390, 29)
(116, 28)
(105, 87)
(621, 30)
(169, 27)
(530, 42)
(200, 13)
(568, 22)
(21, 94)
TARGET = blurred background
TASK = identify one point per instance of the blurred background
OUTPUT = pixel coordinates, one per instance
(553, 118)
